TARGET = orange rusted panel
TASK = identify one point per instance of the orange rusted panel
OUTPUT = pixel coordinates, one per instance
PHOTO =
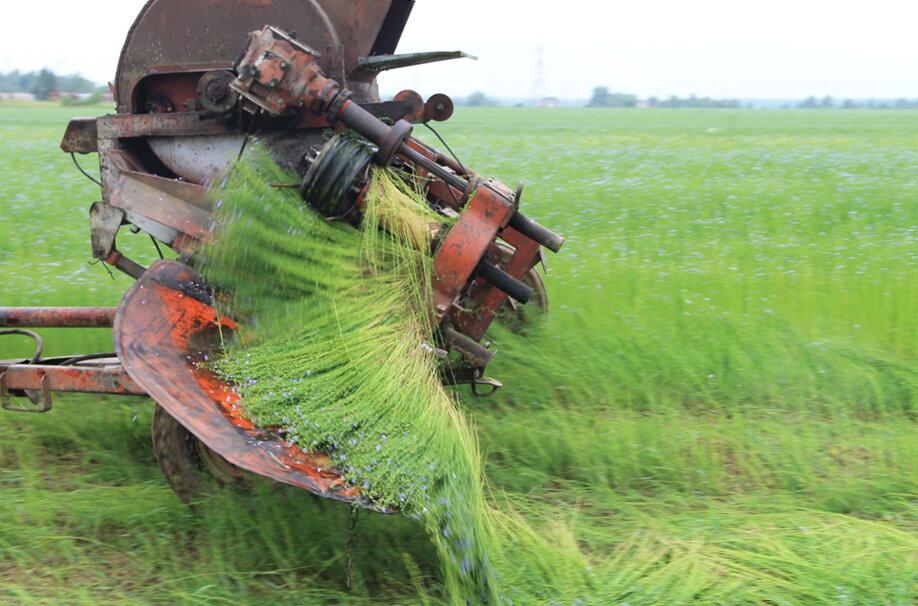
(164, 331)
(486, 300)
(468, 240)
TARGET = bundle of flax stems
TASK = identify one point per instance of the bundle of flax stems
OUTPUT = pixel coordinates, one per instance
(337, 353)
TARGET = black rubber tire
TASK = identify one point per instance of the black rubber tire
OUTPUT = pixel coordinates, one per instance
(193, 470)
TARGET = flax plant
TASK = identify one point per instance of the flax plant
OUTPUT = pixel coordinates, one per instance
(338, 352)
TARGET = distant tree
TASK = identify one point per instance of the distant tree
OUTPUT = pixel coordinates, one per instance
(9, 82)
(809, 103)
(848, 104)
(696, 101)
(16, 81)
(44, 84)
(478, 99)
(602, 97)
(76, 83)
(26, 81)
(827, 102)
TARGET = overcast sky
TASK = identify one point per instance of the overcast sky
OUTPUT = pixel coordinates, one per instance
(717, 48)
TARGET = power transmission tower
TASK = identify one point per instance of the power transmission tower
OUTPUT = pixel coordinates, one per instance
(538, 83)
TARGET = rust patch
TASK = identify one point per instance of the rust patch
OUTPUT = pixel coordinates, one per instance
(162, 333)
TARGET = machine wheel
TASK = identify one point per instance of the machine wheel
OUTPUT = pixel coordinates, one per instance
(192, 469)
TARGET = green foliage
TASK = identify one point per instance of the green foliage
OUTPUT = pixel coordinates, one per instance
(695, 102)
(44, 84)
(479, 99)
(16, 81)
(47, 80)
(602, 97)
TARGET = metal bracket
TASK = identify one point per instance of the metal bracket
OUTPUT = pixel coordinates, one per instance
(104, 221)
(33, 396)
(368, 67)
(494, 384)
(452, 375)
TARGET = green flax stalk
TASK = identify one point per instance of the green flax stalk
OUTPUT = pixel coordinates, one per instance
(337, 351)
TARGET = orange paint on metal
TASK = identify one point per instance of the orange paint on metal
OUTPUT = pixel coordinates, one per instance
(188, 317)
(468, 240)
(484, 299)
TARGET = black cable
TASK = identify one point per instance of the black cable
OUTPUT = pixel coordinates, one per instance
(156, 244)
(448, 148)
(39, 345)
(88, 358)
(80, 168)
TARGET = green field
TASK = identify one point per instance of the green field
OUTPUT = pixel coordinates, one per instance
(719, 409)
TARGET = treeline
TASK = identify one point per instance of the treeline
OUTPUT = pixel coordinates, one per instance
(43, 83)
(603, 97)
(828, 102)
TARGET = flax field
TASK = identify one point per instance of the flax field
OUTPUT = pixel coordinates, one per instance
(719, 408)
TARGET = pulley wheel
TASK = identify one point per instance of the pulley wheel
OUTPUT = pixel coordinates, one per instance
(328, 183)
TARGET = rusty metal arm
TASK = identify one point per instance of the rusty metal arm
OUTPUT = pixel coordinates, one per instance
(57, 317)
(37, 381)
(86, 379)
(369, 67)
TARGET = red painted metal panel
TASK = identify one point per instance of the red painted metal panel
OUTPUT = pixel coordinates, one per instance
(487, 300)
(468, 240)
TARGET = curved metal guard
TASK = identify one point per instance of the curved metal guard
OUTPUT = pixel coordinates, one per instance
(163, 330)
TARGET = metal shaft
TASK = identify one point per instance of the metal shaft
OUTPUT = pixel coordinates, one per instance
(57, 317)
(370, 127)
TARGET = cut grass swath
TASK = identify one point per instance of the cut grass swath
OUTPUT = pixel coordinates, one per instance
(339, 355)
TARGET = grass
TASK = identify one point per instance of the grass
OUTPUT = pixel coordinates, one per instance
(719, 408)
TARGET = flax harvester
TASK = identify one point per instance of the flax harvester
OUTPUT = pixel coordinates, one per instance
(195, 81)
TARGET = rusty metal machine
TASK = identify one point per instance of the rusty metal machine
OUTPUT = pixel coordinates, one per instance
(196, 80)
